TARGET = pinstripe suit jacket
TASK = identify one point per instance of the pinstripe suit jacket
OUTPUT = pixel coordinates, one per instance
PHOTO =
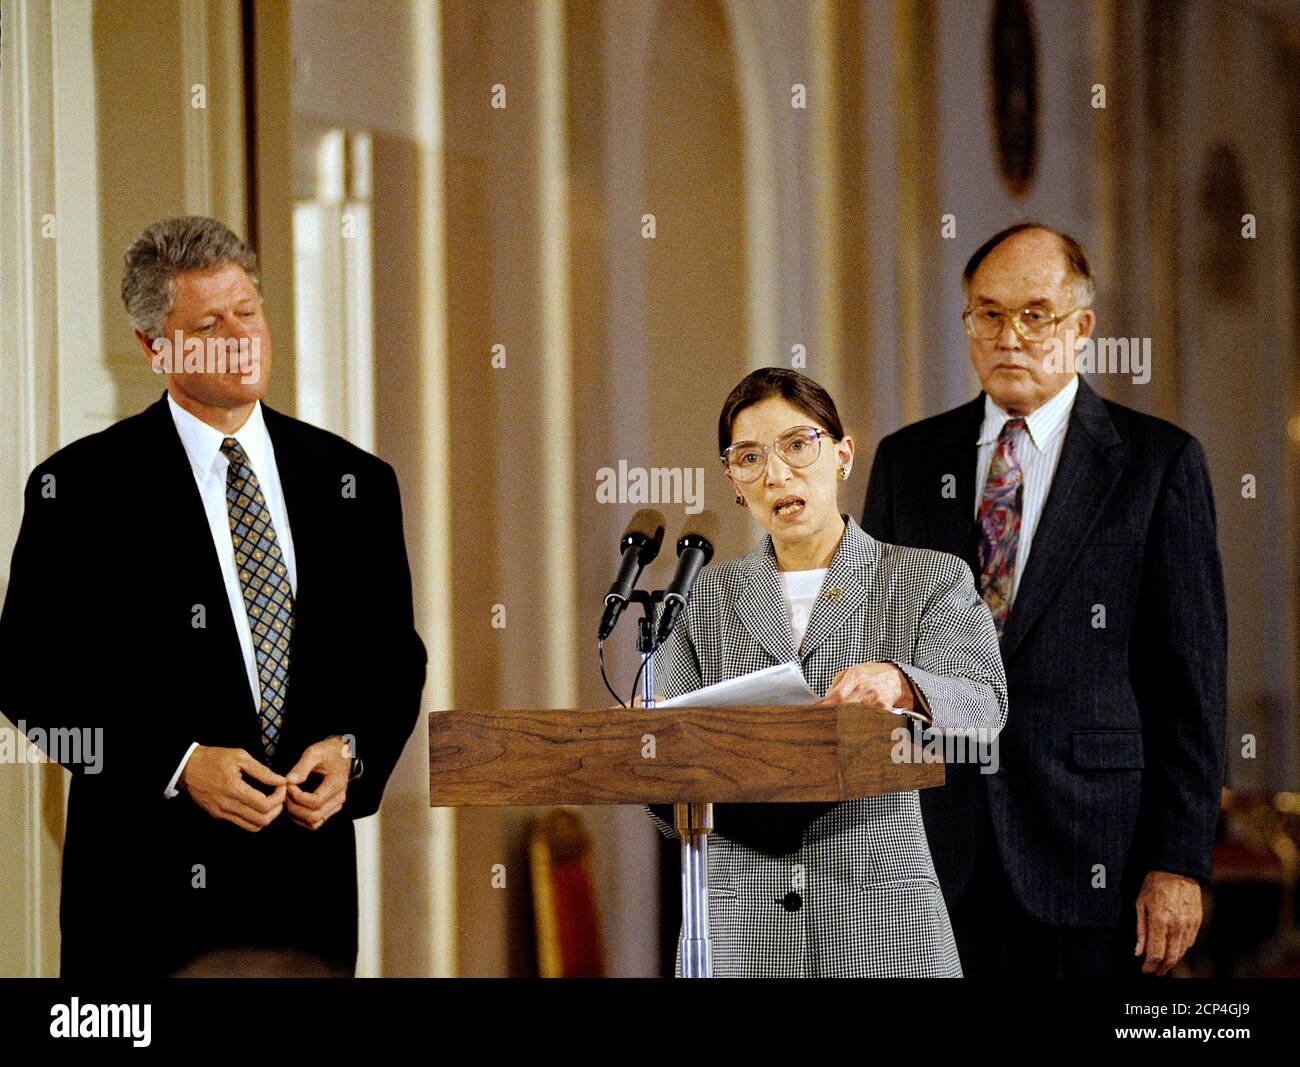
(868, 902)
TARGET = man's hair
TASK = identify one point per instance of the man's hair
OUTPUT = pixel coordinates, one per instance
(1076, 260)
(798, 389)
(168, 247)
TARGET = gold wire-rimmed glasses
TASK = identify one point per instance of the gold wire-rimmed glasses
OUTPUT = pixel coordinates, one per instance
(1033, 322)
(799, 446)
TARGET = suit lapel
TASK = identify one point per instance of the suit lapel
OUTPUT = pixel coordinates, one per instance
(1090, 465)
(299, 495)
(952, 516)
(181, 508)
(761, 604)
(844, 590)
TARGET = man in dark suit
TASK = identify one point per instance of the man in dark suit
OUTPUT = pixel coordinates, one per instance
(1089, 845)
(219, 594)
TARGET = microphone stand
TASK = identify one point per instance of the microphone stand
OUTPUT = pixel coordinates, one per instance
(693, 821)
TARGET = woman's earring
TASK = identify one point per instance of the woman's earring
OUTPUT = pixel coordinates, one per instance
(740, 500)
(844, 474)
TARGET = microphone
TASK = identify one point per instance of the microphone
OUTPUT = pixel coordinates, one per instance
(694, 550)
(640, 544)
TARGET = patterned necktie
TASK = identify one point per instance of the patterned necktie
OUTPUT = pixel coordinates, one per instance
(264, 580)
(1000, 524)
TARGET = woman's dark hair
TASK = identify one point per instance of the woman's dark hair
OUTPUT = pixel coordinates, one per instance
(798, 389)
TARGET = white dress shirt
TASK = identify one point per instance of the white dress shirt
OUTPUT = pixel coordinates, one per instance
(801, 589)
(202, 445)
(1038, 450)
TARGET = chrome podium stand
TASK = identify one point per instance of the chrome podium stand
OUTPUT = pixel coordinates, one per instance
(693, 824)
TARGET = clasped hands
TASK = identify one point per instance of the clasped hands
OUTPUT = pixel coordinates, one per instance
(214, 779)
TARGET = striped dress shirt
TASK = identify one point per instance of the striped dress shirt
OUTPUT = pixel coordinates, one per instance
(202, 444)
(1038, 449)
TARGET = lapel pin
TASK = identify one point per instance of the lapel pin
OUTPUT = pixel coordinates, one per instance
(834, 593)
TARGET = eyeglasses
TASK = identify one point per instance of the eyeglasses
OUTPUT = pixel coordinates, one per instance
(1032, 322)
(799, 447)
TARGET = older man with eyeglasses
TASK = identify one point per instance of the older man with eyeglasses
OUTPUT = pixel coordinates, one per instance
(1090, 530)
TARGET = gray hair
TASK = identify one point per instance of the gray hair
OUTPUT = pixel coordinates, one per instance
(182, 243)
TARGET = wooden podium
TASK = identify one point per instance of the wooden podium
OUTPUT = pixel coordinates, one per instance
(689, 757)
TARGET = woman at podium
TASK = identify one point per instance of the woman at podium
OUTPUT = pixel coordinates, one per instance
(843, 889)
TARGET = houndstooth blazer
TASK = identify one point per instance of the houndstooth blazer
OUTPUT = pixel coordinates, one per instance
(866, 901)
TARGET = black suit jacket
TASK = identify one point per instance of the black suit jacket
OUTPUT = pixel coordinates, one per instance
(1111, 760)
(117, 619)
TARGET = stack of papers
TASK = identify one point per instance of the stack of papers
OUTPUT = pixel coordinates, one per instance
(782, 685)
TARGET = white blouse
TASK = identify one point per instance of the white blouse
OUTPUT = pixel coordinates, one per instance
(801, 589)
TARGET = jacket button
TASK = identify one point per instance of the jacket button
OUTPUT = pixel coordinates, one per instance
(792, 901)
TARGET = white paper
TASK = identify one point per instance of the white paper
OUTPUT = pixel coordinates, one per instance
(782, 685)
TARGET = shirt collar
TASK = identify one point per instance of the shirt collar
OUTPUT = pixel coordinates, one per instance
(202, 442)
(1043, 424)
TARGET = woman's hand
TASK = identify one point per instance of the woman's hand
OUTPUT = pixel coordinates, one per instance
(877, 685)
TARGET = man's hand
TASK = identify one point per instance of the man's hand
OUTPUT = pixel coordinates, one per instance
(333, 760)
(212, 777)
(1168, 918)
(877, 685)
